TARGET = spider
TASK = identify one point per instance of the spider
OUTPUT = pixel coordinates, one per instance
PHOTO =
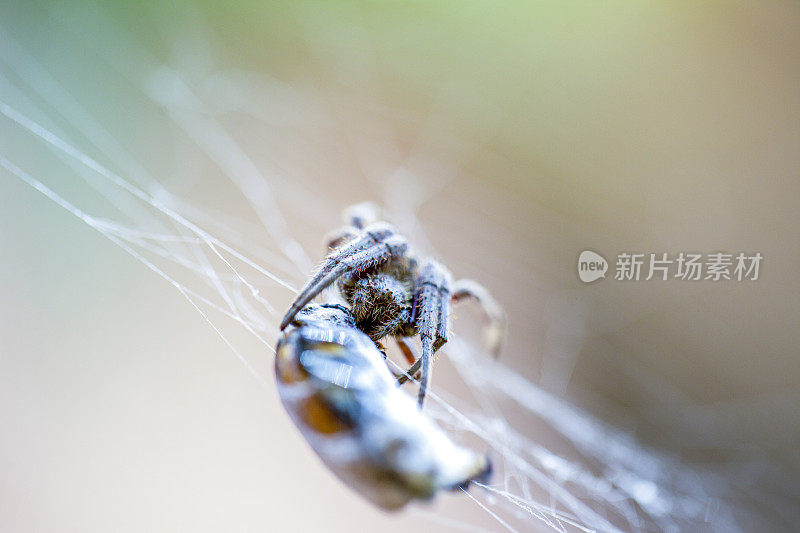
(392, 292)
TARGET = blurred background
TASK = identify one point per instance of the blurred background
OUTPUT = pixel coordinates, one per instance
(503, 141)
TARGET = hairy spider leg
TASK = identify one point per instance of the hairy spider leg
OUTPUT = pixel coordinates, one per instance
(495, 331)
(463, 289)
(356, 218)
(337, 238)
(378, 244)
(433, 287)
(371, 236)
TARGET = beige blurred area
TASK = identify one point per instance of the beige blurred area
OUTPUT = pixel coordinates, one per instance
(503, 140)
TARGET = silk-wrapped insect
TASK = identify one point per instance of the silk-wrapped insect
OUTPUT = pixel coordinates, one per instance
(337, 388)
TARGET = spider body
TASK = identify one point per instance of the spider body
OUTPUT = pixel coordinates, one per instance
(392, 292)
(336, 386)
(382, 299)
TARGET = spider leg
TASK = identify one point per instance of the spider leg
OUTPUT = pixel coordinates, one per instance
(337, 238)
(495, 331)
(411, 357)
(361, 215)
(408, 351)
(433, 288)
(410, 373)
(356, 218)
(379, 243)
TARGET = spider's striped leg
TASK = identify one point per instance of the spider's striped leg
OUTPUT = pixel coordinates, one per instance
(378, 243)
(433, 297)
(495, 331)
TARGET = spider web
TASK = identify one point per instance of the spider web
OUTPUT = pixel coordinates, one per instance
(606, 482)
